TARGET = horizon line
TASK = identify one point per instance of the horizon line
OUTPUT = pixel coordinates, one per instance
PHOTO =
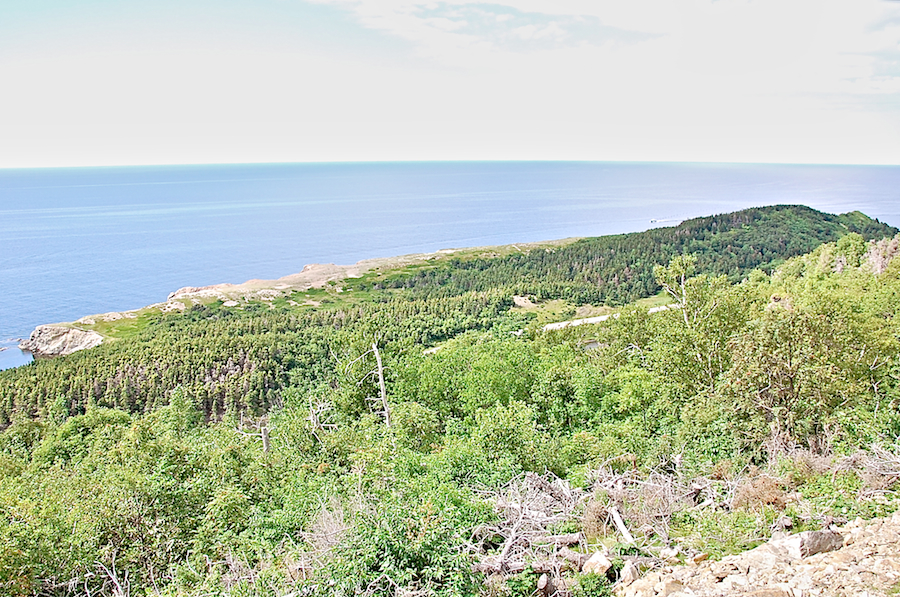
(446, 161)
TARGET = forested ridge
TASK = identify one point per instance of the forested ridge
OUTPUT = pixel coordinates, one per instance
(619, 269)
(429, 438)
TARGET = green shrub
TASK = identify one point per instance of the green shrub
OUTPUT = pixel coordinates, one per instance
(397, 546)
(521, 585)
(593, 585)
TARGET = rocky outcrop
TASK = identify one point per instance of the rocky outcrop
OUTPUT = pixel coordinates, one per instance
(57, 340)
(862, 558)
(213, 290)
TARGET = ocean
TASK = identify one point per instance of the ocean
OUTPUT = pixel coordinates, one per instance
(80, 241)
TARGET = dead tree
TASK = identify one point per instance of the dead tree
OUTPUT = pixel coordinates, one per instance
(262, 430)
(318, 409)
(378, 372)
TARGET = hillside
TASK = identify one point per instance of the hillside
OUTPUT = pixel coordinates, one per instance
(237, 346)
(413, 431)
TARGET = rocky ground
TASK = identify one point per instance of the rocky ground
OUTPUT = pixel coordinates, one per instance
(861, 559)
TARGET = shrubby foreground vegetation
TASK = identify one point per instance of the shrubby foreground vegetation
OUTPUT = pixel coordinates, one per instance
(324, 451)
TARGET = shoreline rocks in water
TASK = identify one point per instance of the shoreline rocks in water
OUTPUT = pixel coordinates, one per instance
(57, 340)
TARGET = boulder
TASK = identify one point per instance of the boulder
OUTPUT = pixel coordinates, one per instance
(629, 574)
(597, 564)
(808, 564)
(643, 587)
(664, 588)
(808, 543)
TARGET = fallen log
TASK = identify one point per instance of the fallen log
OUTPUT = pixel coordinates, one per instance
(559, 540)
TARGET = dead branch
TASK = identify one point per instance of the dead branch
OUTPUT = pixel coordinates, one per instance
(261, 426)
(528, 508)
(121, 588)
(620, 525)
(561, 540)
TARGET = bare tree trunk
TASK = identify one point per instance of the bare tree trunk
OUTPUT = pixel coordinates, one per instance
(384, 402)
(265, 438)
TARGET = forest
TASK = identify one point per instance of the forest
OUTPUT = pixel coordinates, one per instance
(429, 437)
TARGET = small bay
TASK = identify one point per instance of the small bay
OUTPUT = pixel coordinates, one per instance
(79, 241)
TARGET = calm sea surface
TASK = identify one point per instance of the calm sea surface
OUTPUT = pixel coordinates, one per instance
(80, 241)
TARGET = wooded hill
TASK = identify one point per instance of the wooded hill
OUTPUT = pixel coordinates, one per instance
(618, 269)
(287, 449)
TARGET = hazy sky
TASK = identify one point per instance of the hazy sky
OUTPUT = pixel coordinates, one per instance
(197, 81)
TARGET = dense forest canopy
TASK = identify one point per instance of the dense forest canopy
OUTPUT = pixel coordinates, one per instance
(373, 446)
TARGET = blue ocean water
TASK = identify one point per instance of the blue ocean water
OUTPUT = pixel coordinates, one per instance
(79, 241)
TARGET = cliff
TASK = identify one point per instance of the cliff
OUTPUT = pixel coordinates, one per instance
(56, 340)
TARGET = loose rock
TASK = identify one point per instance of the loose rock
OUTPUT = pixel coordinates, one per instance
(861, 558)
(597, 564)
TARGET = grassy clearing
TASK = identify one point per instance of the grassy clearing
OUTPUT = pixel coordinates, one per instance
(657, 300)
(549, 311)
(126, 327)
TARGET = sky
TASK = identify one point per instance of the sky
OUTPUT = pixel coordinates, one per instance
(115, 82)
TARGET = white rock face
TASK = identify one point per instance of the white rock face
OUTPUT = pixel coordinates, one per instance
(213, 290)
(56, 340)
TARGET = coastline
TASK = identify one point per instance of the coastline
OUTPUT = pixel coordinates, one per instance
(319, 283)
(62, 338)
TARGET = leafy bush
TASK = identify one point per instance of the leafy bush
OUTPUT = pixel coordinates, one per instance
(401, 546)
(593, 585)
